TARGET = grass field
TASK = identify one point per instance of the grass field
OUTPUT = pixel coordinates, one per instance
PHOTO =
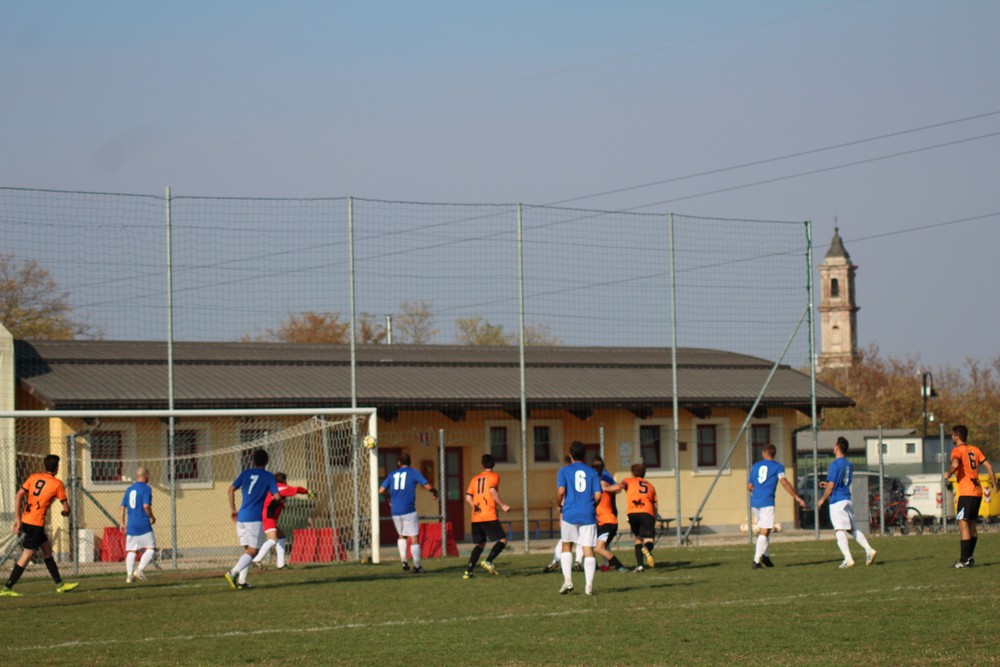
(701, 605)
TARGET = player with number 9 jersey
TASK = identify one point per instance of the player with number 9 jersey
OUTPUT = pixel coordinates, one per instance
(41, 490)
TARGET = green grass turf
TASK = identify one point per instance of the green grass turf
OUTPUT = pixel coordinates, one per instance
(701, 605)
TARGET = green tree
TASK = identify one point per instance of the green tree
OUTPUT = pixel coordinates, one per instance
(33, 307)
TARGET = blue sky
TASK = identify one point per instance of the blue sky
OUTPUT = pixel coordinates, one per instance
(543, 102)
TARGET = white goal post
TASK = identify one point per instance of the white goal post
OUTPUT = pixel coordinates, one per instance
(192, 456)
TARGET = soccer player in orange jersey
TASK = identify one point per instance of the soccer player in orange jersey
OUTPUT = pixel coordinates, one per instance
(607, 517)
(483, 496)
(965, 462)
(640, 496)
(33, 500)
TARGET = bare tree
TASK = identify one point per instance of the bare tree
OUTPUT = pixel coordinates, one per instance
(478, 331)
(32, 305)
(416, 324)
(309, 327)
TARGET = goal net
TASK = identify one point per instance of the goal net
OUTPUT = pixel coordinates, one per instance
(192, 457)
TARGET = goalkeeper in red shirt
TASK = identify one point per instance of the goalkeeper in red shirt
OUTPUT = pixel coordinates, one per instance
(273, 507)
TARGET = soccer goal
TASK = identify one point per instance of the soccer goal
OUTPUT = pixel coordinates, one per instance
(192, 457)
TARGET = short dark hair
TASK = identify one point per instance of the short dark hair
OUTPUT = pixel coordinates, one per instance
(403, 460)
(770, 449)
(961, 431)
(280, 477)
(489, 461)
(638, 470)
(842, 444)
(577, 451)
(597, 459)
(260, 457)
(51, 463)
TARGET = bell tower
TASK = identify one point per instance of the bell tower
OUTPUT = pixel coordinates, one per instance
(838, 309)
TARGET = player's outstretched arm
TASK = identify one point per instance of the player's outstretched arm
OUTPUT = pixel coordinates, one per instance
(430, 487)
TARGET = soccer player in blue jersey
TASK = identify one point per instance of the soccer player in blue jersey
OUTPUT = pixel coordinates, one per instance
(579, 493)
(763, 482)
(137, 521)
(254, 485)
(837, 489)
(402, 487)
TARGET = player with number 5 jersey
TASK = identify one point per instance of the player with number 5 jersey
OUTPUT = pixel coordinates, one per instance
(640, 496)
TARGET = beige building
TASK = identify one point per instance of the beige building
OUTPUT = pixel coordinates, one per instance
(613, 399)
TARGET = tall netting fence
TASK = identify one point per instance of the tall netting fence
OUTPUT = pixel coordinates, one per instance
(100, 458)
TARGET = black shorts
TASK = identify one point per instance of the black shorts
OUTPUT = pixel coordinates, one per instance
(968, 508)
(34, 536)
(608, 529)
(642, 525)
(488, 530)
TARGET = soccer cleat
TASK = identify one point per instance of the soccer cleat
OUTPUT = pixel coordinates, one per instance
(577, 566)
(639, 569)
(488, 566)
(846, 564)
(229, 578)
(66, 587)
(766, 560)
(259, 564)
(406, 566)
(870, 558)
(552, 567)
(756, 566)
(140, 575)
(244, 587)
(7, 592)
(650, 563)
(566, 588)
(467, 574)
(970, 562)
(418, 569)
(128, 579)
(960, 564)
(589, 590)
(623, 569)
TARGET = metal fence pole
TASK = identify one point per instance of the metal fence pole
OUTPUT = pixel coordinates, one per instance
(881, 485)
(675, 405)
(171, 423)
(74, 537)
(944, 483)
(814, 422)
(747, 451)
(443, 493)
(523, 387)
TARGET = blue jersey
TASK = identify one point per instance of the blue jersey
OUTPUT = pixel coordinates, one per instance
(136, 496)
(608, 479)
(402, 487)
(840, 474)
(581, 483)
(254, 483)
(765, 476)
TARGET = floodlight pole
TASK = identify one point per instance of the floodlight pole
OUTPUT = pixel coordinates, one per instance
(171, 421)
(926, 391)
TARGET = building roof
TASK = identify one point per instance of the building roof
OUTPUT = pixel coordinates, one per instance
(133, 374)
(837, 249)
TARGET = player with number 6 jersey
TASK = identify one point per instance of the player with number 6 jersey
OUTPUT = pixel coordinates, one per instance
(640, 496)
(579, 488)
(966, 460)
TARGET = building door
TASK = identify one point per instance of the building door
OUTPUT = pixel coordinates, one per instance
(387, 460)
(593, 449)
(454, 490)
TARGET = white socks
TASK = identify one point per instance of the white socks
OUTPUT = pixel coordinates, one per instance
(147, 557)
(566, 561)
(280, 551)
(589, 568)
(264, 550)
(129, 563)
(762, 543)
(415, 552)
(842, 543)
(401, 544)
(241, 567)
(860, 538)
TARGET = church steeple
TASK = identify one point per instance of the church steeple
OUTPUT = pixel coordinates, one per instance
(838, 309)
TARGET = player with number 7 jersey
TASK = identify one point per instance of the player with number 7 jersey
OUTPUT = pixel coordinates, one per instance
(254, 484)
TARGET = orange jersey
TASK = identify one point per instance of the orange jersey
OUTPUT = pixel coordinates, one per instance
(969, 457)
(640, 496)
(484, 505)
(605, 509)
(41, 490)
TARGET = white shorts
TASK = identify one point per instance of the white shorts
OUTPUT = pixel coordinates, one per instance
(407, 525)
(250, 533)
(137, 542)
(842, 515)
(584, 536)
(764, 517)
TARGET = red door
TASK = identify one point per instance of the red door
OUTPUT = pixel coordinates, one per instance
(454, 490)
(387, 459)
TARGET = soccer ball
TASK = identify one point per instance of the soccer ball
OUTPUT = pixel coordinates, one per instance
(369, 442)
